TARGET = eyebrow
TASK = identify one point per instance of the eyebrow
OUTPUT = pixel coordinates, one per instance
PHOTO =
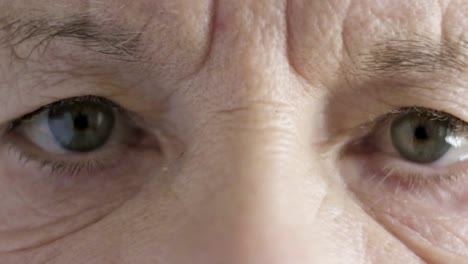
(421, 55)
(110, 40)
(390, 58)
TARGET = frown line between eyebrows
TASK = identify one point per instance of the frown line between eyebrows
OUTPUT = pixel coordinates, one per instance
(107, 39)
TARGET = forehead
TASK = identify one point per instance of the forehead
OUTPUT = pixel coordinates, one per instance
(181, 31)
(314, 17)
(344, 30)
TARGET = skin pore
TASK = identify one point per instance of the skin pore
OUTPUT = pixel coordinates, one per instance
(250, 117)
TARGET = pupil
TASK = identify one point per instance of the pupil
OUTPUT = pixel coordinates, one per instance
(421, 133)
(81, 122)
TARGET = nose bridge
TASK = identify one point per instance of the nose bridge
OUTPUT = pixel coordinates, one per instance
(279, 210)
(260, 185)
(263, 188)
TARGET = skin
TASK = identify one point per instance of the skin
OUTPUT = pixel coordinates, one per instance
(249, 110)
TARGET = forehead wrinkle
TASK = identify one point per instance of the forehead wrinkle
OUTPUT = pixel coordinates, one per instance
(105, 37)
(421, 55)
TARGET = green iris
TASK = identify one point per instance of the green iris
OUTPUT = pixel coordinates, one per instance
(82, 126)
(421, 138)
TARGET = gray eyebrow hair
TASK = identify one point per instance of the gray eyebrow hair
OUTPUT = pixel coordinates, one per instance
(106, 39)
(421, 55)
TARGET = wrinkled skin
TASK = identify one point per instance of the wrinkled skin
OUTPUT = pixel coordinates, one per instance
(249, 109)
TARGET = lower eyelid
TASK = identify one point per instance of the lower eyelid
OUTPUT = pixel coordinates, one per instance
(399, 175)
(128, 164)
(65, 165)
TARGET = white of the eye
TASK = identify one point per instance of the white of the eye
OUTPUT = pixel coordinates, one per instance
(457, 153)
(37, 130)
(456, 141)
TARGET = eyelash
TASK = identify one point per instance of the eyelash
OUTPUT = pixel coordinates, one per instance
(57, 168)
(68, 167)
(400, 174)
(89, 98)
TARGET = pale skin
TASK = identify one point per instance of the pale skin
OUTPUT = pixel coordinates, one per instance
(249, 110)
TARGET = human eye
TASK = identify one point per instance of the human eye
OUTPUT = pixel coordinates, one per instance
(409, 170)
(415, 146)
(425, 136)
(69, 164)
(72, 136)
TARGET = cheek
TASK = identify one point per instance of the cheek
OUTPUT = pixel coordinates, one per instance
(426, 219)
(43, 208)
(429, 232)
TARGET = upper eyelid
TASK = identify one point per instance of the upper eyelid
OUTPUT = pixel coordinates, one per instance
(427, 112)
(88, 98)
